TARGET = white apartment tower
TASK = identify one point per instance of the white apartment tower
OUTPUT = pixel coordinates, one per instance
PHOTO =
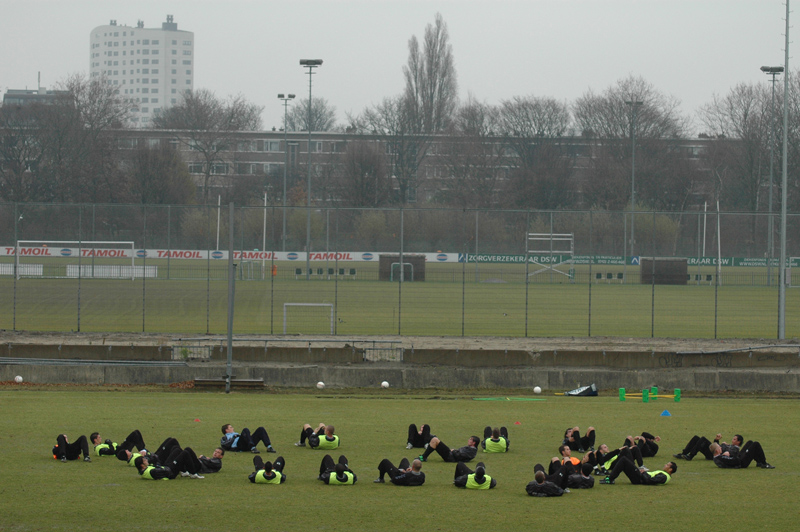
(151, 66)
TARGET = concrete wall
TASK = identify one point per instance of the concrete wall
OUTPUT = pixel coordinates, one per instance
(420, 377)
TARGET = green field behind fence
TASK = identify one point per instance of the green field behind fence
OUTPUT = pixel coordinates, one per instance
(454, 300)
(40, 493)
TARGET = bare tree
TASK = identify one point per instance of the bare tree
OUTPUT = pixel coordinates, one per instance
(66, 150)
(158, 176)
(208, 126)
(610, 118)
(472, 158)
(431, 84)
(323, 116)
(362, 178)
(391, 121)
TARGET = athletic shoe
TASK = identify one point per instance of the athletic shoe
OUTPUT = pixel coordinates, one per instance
(566, 490)
(299, 444)
(643, 468)
(271, 450)
(409, 446)
(591, 449)
(422, 458)
(688, 457)
(580, 450)
(679, 456)
(63, 458)
(607, 480)
(87, 458)
(185, 474)
(379, 481)
(195, 475)
(254, 450)
(766, 466)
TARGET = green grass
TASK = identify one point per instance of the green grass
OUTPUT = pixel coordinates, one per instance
(39, 493)
(444, 305)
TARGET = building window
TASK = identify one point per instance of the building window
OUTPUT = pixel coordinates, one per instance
(155, 42)
(146, 41)
(195, 168)
(154, 62)
(145, 100)
(145, 71)
(174, 71)
(187, 52)
(174, 42)
(187, 61)
(145, 90)
(188, 82)
(188, 72)
(174, 52)
(187, 43)
(219, 169)
(154, 91)
(174, 81)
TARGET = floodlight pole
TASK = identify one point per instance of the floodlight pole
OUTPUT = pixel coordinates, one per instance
(784, 182)
(634, 104)
(310, 64)
(286, 99)
(771, 71)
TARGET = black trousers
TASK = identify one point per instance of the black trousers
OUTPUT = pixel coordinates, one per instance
(305, 434)
(328, 465)
(582, 442)
(73, 450)
(751, 451)
(626, 465)
(698, 444)
(416, 439)
(183, 460)
(277, 465)
(165, 450)
(557, 473)
(134, 439)
(388, 468)
(247, 440)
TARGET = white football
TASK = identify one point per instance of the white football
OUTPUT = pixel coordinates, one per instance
(385, 384)
(536, 389)
(320, 385)
(18, 379)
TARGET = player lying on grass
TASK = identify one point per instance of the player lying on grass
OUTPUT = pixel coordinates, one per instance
(495, 440)
(110, 448)
(418, 438)
(244, 441)
(578, 443)
(343, 476)
(181, 462)
(463, 454)
(269, 472)
(64, 450)
(402, 475)
(647, 444)
(639, 475)
(324, 438)
(750, 452)
(473, 480)
(701, 445)
(541, 487)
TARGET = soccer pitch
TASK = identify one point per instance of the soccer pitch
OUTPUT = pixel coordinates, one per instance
(371, 307)
(39, 493)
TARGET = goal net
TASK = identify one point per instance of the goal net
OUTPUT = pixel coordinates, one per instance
(308, 318)
(71, 259)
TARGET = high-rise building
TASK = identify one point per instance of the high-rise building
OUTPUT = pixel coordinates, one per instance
(151, 66)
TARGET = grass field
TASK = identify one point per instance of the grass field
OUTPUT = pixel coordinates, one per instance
(39, 493)
(381, 308)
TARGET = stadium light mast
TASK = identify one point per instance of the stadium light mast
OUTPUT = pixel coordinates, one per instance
(310, 64)
(634, 104)
(771, 71)
(286, 99)
(784, 182)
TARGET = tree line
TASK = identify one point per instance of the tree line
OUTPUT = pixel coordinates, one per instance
(512, 155)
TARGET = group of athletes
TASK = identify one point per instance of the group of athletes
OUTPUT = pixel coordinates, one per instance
(563, 473)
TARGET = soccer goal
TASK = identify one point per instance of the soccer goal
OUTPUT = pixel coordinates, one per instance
(74, 258)
(307, 318)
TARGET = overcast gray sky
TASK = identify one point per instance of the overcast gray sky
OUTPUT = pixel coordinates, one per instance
(690, 49)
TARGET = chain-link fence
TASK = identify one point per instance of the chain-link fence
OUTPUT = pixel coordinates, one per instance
(148, 268)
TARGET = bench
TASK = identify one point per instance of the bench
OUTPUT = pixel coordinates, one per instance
(220, 383)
